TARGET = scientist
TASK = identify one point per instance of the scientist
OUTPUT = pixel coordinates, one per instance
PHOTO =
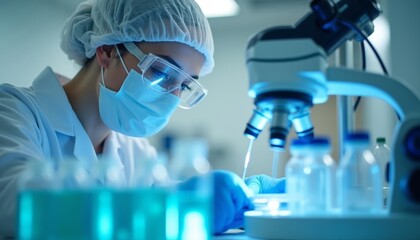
(140, 60)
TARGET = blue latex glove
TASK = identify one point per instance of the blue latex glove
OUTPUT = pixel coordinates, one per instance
(265, 184)
(230, 199)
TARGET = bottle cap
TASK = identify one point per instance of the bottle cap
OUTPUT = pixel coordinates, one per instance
(299, 142)
(357, 137)
(380, 140)
(316, 142)
(319, 144)
(319, 141)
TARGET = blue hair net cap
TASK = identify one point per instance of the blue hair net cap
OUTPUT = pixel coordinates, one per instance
(108, 22)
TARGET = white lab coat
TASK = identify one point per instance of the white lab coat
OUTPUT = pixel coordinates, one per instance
(39, 123)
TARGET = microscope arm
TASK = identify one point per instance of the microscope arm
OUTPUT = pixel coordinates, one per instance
(341, 81)
(288, 73)
(405, 154)
(403, 217)
(276, 56)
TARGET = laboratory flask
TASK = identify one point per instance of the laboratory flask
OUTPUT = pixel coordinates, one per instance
(310, 175)
(71, 202)
(140, 210)
(189, 210)
(112, 203)
(359, 177)
(36, 186)
(292, 173)
(381, 152)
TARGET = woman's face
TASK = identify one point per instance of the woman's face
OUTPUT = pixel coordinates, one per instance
(183, 56)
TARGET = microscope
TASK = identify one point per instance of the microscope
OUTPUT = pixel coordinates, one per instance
(289, 73)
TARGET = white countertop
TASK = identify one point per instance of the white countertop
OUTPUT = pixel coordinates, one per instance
(233, 234)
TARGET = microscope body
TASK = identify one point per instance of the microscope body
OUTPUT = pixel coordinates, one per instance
(288, 73)
(286, 88)
(400, 220)
(269, 73)
(286, 65)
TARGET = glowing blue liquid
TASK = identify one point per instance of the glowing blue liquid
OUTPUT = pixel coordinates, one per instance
(54, 214)
(94, 214)
(133, 214)
(34, 211)
(189, 216)
(72, 214)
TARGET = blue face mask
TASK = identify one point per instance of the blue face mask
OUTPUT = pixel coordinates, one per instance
(135, 110)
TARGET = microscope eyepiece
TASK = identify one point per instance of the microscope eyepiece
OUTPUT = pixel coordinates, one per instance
(303, 124)
(281, 109)
(278, 136)
(279, 129)
(256, 124)
(251, 132)
(307, 134)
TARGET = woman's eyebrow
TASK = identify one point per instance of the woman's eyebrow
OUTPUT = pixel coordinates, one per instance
(173, 62)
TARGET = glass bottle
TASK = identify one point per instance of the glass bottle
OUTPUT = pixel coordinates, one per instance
(293, 171)
(36, 186)
(189, 210)
(144, 216)
(110, 203)
(312, 173)
(382, 152)
(359, 176)
(72, 202)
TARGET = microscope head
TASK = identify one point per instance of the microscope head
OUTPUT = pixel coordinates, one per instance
(285, 88)
(284, 107)
(286, 66)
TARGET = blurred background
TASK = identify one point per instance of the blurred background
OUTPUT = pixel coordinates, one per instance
(30, 37)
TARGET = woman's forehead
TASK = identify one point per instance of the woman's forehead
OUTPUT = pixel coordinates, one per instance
(181, 55)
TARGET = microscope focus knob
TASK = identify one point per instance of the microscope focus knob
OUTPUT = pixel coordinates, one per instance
(412, 144)
(411, 185)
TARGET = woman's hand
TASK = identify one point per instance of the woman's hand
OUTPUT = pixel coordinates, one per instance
(265, 184)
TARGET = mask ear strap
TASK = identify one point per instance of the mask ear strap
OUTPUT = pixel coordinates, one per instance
(122, 61)
(102, 76)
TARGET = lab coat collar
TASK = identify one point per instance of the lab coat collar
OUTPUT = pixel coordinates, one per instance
(46, 87)
(61, 115)
(112, 152)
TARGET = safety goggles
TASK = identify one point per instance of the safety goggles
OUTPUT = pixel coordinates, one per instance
(162, 76)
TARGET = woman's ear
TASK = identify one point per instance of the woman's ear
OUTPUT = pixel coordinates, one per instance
(104, 55)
